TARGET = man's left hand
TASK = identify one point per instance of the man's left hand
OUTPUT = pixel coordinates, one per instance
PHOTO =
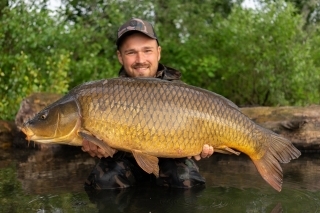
(207, 151)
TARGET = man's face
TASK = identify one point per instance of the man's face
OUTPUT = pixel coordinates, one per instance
(139, 55)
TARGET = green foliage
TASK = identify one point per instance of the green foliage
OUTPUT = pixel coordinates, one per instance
(28, 60)
(185, 30)
(265, 58)
(253, 57)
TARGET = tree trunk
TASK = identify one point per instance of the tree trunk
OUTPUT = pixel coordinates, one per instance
(301, 125)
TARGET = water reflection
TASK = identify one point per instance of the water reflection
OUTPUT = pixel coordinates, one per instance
(146, 199)
(52, 181)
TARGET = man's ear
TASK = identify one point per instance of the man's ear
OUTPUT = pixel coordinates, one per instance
(159, 53)
(119, 57)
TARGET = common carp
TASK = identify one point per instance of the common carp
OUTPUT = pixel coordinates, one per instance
(154, 118)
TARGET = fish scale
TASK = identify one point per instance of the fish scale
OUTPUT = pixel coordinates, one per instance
(154, 118)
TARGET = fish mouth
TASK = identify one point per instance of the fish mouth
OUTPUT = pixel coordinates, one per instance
(28, 132)
(32, 137)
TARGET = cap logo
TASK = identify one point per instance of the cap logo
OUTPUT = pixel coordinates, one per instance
(133, 23)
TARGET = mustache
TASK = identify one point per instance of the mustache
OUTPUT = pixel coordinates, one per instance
(140, 65)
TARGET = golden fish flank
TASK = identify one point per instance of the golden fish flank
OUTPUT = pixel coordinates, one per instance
(153, 118)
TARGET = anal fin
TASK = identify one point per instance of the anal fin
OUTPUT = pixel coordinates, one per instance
(88, 136)
(226, 150)
(147, 162)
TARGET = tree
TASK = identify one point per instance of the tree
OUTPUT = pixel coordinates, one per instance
(30, 57)
(265, 57)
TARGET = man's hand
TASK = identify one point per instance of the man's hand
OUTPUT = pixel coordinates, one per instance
(93, 149)
(207, 151)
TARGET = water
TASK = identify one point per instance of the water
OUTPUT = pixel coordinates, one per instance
(52, 181)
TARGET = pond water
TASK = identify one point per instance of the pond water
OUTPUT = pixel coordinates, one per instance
(51, 180)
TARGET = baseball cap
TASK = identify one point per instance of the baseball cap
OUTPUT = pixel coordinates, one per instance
(139, 25)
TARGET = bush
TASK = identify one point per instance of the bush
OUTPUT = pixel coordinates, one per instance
(29, 61)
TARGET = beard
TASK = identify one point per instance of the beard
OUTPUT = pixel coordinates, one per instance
(145, 72)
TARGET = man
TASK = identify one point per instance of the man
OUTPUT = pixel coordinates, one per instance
(139, 53)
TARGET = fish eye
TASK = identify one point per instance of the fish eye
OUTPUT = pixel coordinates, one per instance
(43, 115)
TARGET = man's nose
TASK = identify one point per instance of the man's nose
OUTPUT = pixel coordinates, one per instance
(140, 57)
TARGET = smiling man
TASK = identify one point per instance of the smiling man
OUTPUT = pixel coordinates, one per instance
(139, 53)
(139, 56)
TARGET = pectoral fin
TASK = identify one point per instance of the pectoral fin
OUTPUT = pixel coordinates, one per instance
(226, 150)
(147, 162)
(88, 136)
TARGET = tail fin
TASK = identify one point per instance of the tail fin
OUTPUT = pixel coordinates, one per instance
(280, 150)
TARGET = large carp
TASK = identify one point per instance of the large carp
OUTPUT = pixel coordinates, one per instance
(155, 118)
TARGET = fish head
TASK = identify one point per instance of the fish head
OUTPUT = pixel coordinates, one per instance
(57, 123)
